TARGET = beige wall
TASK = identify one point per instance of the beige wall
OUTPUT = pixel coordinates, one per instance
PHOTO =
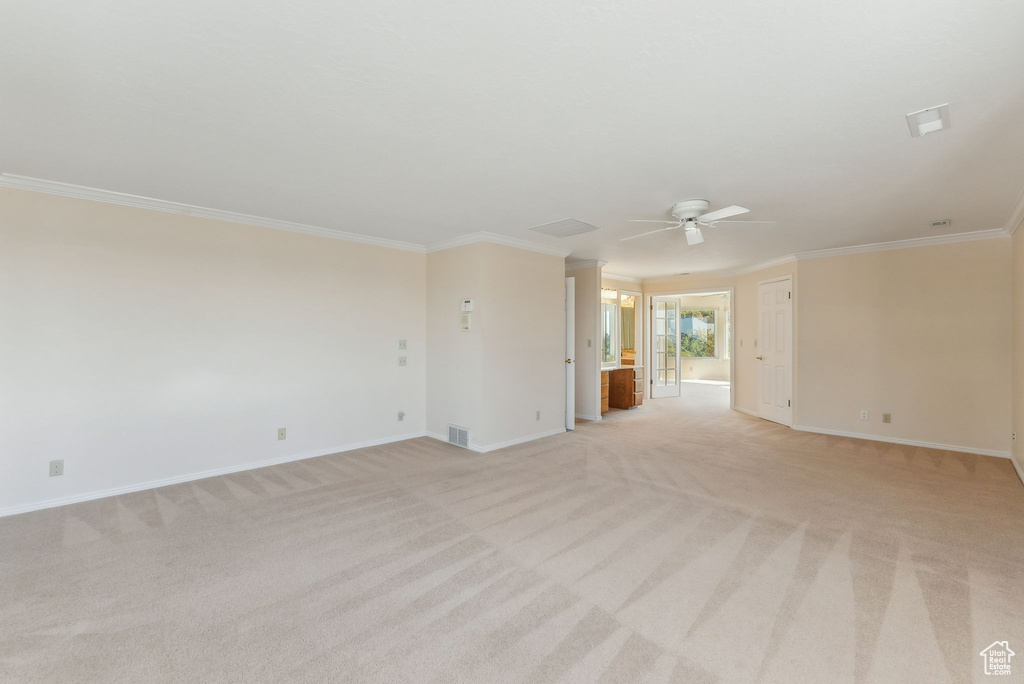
(923, 333)
(141, 346)
(494, 378)
(455, 381)
(523, 322)
(1018, 346)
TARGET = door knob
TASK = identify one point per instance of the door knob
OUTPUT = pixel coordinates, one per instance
(568, 360)
(759, 358)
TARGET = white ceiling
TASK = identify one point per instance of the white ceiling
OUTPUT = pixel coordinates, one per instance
(421, 121)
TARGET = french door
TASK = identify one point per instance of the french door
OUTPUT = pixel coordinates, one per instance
(665, 346)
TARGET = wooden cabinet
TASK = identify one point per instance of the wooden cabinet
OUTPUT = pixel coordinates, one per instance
(625, 388)
(605, 390)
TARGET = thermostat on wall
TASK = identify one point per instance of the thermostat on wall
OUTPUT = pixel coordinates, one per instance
(467, 304)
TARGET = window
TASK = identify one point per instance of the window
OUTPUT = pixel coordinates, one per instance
(627, 338)
(609, 328)
(697, 334)
(609, 348)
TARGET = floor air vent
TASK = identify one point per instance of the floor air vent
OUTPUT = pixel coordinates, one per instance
(458, 436)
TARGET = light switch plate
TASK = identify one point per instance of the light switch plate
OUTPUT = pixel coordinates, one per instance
(402, 344)
(403, 361)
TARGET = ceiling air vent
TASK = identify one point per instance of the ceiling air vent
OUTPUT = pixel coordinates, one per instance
(928, 120)
(458, 436)
(565, 227)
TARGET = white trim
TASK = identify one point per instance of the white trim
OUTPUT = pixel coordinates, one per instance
(120, 198)
(762, 265)
(578, 265)
(178, 479)
(1016, 217)
(1016, 466)
(624, 279)
(745, 410)
(906, 442)
(904, 244)
(483, 449)
(989, 234)
(592, 418)
(139, 202)
(494, 238)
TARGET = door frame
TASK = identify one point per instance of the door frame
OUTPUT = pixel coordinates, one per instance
(648, 303)
(791, 277)
(570, 351)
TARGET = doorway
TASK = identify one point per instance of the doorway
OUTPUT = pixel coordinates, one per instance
(692, 348)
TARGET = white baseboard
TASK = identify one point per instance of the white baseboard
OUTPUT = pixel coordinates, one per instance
(907, 442)
(743, 410)
(583, 417)
(1020, 471)
(483, 449)
(178, 479)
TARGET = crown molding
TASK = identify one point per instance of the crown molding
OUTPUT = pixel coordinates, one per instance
(110, 197)
(905, 244)
(580, 265)
(625, 279)
(855, 249)
(1016, 216)
(760, 266)
(494, 238)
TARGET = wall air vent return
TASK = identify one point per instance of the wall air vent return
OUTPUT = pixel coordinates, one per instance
(944, 223)
(458, 436)
(565, 228)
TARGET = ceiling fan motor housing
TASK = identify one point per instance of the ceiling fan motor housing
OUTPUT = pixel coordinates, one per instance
(690, 209)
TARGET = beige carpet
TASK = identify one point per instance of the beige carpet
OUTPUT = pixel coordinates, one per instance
(677, 542)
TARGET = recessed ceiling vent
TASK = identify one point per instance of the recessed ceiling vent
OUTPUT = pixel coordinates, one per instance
(565, 227)
(944, 223)
(928, 120)
(458, 436)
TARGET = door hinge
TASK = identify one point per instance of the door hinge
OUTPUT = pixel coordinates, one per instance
(789, 402)
(789, 295)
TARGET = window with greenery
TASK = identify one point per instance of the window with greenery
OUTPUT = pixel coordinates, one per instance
(697, 334)
(609, 328)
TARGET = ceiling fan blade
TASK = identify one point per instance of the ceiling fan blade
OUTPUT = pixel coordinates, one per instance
(766, 223)
(694, 236)
(650, 232)
(723, 213)
(649, 221)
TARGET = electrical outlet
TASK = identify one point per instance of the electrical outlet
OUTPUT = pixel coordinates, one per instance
(538, 414)
(402, 344)
(401, 416)
(863, 415)
(57, 467)
(403, 361)
(886, 417)
(282, 433)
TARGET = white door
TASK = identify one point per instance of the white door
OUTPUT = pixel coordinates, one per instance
(775, 350)
(570, 353)
(665, 347)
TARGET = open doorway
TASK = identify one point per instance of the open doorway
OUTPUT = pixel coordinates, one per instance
(691, 348)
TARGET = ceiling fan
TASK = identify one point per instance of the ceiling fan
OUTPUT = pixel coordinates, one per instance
(690, 216)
